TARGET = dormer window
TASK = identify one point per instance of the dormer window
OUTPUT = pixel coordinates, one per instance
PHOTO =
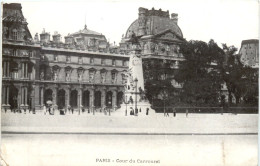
(14, 34)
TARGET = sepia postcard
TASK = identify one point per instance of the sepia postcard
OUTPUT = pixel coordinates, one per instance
(129, 83)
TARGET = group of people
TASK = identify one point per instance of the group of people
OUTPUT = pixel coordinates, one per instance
(135, 112)
(21, 110)
(174, 112)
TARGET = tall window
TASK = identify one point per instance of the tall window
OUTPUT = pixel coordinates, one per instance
(102, 61)
(80, 60)
(14, 34)
(55, 58)
(124, 63)
(91, 75)
(67, 58)
(113, 77)
(113, 62)
(91, 60)
(14, 52)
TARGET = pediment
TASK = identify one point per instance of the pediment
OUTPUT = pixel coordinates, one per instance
(168, 35)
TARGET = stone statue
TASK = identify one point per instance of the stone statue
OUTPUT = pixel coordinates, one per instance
(55, 76)
(42, 75)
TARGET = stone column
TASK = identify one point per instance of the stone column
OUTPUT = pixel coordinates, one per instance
(19, 98)
(22, 96)
(54, 96)
(4, 69)
(80, 99)
(42, 92)
(33, 73)
(26, 70)
(33, 97)
(68, 97)
(3, 95)
(103, 98)
(26, 96)
(8, 70)
(114, 99)
(7, 95)
(91, 98)
(22, 73)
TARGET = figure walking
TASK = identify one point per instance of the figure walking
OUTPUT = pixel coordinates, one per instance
(147, 111)
(187, 112)
(174, 112)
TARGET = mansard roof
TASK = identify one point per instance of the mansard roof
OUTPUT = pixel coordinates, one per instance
(85, 31)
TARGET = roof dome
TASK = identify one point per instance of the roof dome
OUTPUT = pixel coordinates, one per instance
(152, 22)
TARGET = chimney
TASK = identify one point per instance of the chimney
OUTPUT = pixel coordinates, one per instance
(45, 37)
(56, 37)
(174, 17)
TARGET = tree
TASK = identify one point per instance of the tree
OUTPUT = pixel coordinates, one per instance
(200, 73)
(158, 76)
(241, 80)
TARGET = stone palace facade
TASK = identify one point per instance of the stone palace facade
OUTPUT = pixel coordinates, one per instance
(85, 71)
(82, 72)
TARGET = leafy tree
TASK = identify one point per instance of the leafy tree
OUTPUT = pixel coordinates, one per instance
(200, 73)
(158, 76)
(241, 81)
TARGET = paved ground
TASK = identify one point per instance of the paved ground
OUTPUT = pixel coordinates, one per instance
(194, 123)
(199, 139)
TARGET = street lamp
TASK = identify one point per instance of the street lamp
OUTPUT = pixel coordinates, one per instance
(136, 110)
(126, 102)
(164, 97)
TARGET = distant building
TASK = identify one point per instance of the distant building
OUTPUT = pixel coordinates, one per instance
(84, 72)
(159, 37)
(249, 53)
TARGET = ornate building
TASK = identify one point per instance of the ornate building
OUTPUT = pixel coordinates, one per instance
(159, 36)
(83, 72)
(249, 52)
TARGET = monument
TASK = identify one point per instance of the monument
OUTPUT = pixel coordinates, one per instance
(135, 102)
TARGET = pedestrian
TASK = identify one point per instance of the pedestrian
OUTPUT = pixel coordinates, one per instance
(174, 112)
(72, 110)
(49, 110)
(88, 110)
(147, 111)
(136, 111)
(140, 110)
(187, 112)
(33, 111)
(24, 110)
(6, 110)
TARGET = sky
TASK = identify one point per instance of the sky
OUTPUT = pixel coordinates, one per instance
(224, 21)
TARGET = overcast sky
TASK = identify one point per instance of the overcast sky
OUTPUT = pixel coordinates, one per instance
(225, 21)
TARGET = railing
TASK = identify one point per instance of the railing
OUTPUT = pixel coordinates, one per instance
(233, 110)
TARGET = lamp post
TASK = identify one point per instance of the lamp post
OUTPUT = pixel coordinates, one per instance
(126, 102)
(136, 110)
(164, 97)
